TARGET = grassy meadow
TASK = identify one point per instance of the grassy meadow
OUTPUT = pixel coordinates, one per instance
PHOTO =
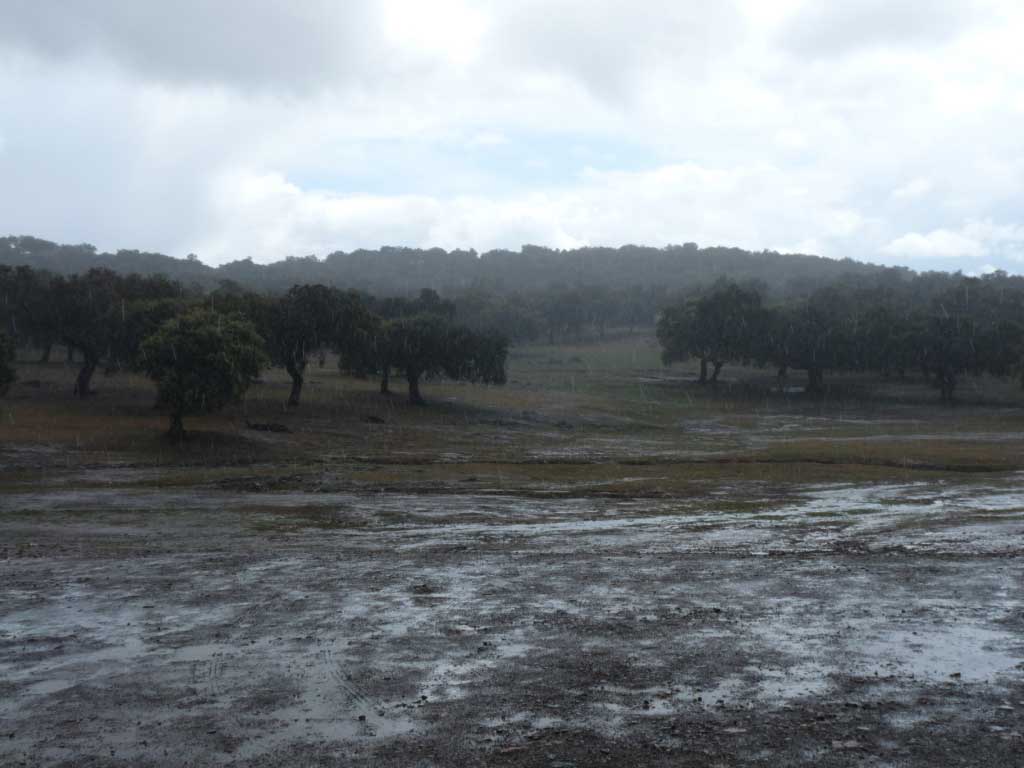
(599, 417)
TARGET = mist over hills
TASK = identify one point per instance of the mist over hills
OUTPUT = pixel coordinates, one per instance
(403, 271)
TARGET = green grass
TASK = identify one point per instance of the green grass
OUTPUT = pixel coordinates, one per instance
(600, 418)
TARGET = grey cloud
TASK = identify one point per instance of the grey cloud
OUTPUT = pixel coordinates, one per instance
(839, 27)
(88, 157)
(607, 44)
(317, 44)
(247, 43)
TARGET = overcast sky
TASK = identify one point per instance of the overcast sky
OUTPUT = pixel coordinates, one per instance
(884, 130)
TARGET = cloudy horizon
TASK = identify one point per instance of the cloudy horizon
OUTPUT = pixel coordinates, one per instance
(880, 131)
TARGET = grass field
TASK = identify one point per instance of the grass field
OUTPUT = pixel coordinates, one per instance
(575, 415)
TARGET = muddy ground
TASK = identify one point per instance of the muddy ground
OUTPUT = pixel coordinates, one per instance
(598, 564)
(873, 624)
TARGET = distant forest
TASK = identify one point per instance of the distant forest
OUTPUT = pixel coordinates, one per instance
(534, 294)
(392, 271)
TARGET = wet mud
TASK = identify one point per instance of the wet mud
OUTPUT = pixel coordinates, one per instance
(869, 625)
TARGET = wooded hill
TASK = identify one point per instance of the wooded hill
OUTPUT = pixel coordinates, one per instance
(393, 271)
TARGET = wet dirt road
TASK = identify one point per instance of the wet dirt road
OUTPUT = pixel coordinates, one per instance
(840, 625)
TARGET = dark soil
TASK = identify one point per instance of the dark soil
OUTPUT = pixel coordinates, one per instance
(857, 625)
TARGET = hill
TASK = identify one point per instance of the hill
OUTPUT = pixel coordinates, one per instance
(402, 271)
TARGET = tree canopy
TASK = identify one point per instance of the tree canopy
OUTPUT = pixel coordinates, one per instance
(973, 326)
(308, 319)
(92, 315)
(426, 346)
(716, 328)
(201, 361)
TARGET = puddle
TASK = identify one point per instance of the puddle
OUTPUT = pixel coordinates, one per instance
(973, 653)
(317, 718)
(528, 720)
(45, 687)
(820, 516)
(450, 680)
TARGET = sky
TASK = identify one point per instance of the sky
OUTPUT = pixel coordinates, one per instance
(882, 130)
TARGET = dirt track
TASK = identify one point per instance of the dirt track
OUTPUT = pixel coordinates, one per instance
(853, 626)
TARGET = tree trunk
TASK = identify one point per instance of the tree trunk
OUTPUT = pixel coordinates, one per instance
(295, 371)
(782, 376)
(385, 380)
(413, 377)
(703, 371)
(714, 373)
(815, 381)
(70, 352)
(177, 430)
(296, 393)
(45, 357)
(84, 380)
(947, 384)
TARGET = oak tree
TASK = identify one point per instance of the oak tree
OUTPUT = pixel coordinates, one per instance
(202, 361)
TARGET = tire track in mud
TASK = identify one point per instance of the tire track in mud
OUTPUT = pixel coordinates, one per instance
(207, 676)
(336, 674)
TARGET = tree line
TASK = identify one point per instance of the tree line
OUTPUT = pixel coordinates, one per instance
(546, 293)
(945, 325)
(944, 328)
(534, 294)
(402, 271)
(204, 350)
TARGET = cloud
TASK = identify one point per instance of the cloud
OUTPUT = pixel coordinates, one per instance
(249, 43)
(823, 29)
(912, 189)
(251, 127)
(939, 243)
(267, 216)
(488, 139)
(299, 48)
(976, 239)
(606, 44)
(984, 269)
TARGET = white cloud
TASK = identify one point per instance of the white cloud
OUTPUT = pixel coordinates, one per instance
(266, 215)
(912, 189)
(488, 139)
(995, 234)
(451, 30)
(939, 243)
(976, 239)
(984, 269)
